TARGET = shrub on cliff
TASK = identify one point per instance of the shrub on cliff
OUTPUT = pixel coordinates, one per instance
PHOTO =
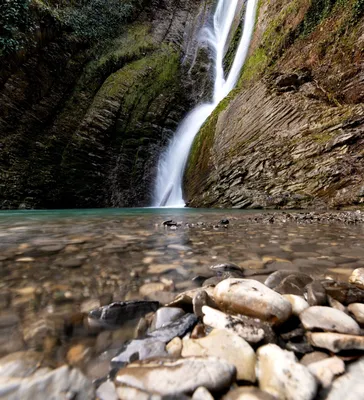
(15, 23)
(99, 19)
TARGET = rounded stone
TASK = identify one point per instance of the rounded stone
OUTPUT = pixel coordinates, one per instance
(313, 357)
(357, 278)
(298, 303)
(328, 319)
(282, 376)
(165, 316)
(252, 298)
(350, 385)
(335, 342)
(326, 370)
(357, 309)
(202, 394)
(225, 345)
(248, 330)
(248, 393)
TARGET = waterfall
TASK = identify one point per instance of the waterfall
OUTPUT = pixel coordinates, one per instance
(168, 188)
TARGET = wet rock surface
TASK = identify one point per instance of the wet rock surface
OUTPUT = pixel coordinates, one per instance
(168, 377)
(139, 306)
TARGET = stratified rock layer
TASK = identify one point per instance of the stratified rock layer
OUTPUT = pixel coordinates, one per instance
(83, 121)
(290, 135)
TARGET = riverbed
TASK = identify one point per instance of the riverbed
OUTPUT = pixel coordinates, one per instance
(58, 265)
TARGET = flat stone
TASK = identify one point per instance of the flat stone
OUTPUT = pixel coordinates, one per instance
(61, 383)
(153, 345)
(329, 319)
(282, 376)
(349, 386)
(170, 377)
(335, 342)
(225, 345)
(248, 393)
(202, 393)
(247, 329)
(358, 310)
(345, 293)
(117, 314)
(357, 278)
(298, 303)
(326, 370)
(252, 264)
(165, 316)
(72, 263)
(139, 349)
(178, 247)
(161, 268)
(252, 298)
(313, 357)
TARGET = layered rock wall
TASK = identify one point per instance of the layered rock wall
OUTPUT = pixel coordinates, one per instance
(292, 134)
(82, 122)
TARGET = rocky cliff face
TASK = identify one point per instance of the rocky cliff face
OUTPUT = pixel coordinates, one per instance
(83, 120)
(292, 134)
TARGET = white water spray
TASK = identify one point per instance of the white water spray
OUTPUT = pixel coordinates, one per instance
(168, 189)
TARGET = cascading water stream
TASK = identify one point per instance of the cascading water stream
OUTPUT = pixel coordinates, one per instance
(168, 189)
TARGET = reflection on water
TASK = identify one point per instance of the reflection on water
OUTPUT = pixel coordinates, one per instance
(56, 265)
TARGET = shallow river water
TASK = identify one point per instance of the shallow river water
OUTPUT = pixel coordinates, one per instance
(56, 266)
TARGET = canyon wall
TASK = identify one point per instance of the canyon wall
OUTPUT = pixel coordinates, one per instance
(291, 135)
(86, 106)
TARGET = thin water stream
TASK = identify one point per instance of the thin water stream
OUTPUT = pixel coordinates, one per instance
(168, 189)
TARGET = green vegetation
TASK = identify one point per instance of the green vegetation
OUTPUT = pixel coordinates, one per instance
(91, 20)
(15, 23)
(99, 19)
(358, 9)
(318, 11)
(229, 57)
